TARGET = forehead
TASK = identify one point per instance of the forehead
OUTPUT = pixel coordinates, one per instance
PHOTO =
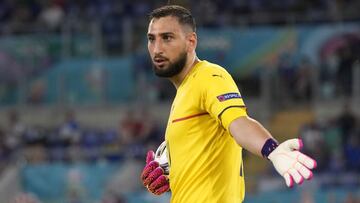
(168, 24)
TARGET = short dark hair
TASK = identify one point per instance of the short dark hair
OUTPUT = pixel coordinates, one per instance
(182, 14)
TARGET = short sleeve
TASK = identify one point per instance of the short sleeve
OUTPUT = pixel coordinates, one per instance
(221, 97)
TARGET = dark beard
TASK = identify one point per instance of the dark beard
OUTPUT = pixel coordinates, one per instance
(173, 69)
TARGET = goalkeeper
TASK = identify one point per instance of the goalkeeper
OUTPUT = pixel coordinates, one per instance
(208, 125)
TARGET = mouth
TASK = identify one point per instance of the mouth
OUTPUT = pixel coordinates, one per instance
(159, 62)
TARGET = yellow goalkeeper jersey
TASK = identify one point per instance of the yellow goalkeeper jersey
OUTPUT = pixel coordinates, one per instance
(205, 161)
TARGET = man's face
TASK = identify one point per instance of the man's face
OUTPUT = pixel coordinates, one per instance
(167, 45)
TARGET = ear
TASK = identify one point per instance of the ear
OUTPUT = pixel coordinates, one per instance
(192, 41)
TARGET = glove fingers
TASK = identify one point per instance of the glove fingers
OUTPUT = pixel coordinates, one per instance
(288, 180)
(305, 160)
(153, 176)
(304, 172)
(150, 156)
(159, 182)
(162, 189)
(148, 169)
(296, 176)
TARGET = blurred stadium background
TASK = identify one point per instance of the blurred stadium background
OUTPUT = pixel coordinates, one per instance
(79, 105)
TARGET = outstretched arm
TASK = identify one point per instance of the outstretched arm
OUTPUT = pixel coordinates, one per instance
(286, 157)
(249, 134)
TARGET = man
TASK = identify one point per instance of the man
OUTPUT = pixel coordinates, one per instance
(208, 125)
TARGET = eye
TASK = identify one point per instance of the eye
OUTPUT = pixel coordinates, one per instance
(167, 38)
(151, 38)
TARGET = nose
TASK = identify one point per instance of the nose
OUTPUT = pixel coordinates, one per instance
(158, 47)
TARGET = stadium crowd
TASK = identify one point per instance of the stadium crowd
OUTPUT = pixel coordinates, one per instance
(119, 18)
(71, 142)
(53, 13)
(333, 142)
(18, 17)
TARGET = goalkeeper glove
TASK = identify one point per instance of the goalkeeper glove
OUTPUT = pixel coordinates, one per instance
(153, 177)
(289, 161)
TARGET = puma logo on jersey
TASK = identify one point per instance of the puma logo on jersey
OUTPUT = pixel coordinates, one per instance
(216, 75)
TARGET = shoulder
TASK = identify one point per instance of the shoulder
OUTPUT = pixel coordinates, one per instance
(207, 70)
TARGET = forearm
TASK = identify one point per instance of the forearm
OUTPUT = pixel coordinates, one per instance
(249, 134)
(286, 157)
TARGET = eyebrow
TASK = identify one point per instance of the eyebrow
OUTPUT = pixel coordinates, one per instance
(161, 34)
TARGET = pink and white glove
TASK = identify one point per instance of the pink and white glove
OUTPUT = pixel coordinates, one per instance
(153, 177)
(291, 163)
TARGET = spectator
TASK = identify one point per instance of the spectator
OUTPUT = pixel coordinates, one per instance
(15, 131)
(286, 71)
(69, 131)
(312, 136)
(135, 127)
(345, 71)
(52, 16)
(346, 122)
(303, 85)
(37, 92)
(132, 128)
(352, 152)
(4, 152)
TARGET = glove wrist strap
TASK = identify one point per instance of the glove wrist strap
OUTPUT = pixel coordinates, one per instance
(269, 146)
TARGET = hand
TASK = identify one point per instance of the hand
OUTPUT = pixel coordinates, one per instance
(153, 176)
(291, 163)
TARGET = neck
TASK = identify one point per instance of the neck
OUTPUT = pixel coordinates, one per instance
(179, 78)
